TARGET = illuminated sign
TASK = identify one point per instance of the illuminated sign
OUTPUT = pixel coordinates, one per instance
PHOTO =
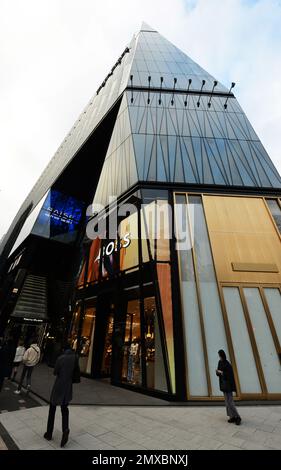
(60, 215)
(113, 246)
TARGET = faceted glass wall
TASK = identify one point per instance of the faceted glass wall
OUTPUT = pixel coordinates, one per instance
(203, 319)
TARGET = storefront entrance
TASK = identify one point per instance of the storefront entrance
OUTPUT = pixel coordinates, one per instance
(120, 338)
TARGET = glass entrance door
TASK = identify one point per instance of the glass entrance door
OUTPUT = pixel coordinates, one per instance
(107, 350)
(254, 317)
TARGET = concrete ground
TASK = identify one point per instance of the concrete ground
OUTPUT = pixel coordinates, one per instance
(165, 428)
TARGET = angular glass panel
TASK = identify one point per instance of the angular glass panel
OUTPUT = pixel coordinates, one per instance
(273, 298)
(275, 212)
(267, 352)
(217, 169)
(179, 173)
(196, 142)
(242, 164)
(245, 360)
(235, 175)
(172, 143)
(139, 140)
(267, 164)
(188, 170)
(197, 382)
(153, 163)
(211, 307)
(207, 173)
(164, 147)
(161, 170)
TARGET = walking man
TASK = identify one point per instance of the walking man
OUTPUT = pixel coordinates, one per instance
(31, 358)
(67, 372)
(227, 386)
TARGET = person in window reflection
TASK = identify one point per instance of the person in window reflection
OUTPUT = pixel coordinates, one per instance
(227, 386)
(67, 372)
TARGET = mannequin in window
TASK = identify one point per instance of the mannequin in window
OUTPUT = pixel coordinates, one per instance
(133, 359)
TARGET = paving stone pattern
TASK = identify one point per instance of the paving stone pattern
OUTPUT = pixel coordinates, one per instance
(165, 428)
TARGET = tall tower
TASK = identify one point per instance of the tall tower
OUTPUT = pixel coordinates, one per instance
(194, 267)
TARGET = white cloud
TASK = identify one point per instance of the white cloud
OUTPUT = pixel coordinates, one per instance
(55, 53)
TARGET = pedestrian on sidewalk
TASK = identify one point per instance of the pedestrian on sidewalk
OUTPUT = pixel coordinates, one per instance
(7, 355)
(30, 359)
(18, 359)
(227, 386)
(67, 372)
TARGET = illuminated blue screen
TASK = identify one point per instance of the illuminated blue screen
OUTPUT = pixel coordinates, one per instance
(59, 217)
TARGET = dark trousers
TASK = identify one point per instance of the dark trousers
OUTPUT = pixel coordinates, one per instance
(231, 410)
(27, 371)
(51, 418)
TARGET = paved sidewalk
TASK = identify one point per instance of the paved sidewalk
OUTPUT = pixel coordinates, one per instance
(101, 428)
(90, 391)
(9, 401)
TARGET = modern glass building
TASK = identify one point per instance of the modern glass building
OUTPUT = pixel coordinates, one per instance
(193, 264)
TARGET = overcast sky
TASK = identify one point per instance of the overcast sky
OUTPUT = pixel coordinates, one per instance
(55, 53)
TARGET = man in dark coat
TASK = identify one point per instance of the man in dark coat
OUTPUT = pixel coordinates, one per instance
(65, 368)
(227, 386)
(7, 354)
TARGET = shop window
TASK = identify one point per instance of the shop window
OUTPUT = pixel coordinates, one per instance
(87, 336)
(164, 283)
(107, 351)
(155, 370)
(131, 370)
(75, 326)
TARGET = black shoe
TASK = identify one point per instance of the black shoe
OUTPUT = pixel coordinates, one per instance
(64, 438)
(48, 436)
(238, 421)
(232, 420)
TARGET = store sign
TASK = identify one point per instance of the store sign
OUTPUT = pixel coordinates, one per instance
(60, 215)
(113, 246)
(35, 320)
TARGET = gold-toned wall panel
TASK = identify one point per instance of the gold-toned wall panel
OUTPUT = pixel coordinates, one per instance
(241, 231)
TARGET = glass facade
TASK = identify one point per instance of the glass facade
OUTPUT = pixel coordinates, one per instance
(137, 341)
